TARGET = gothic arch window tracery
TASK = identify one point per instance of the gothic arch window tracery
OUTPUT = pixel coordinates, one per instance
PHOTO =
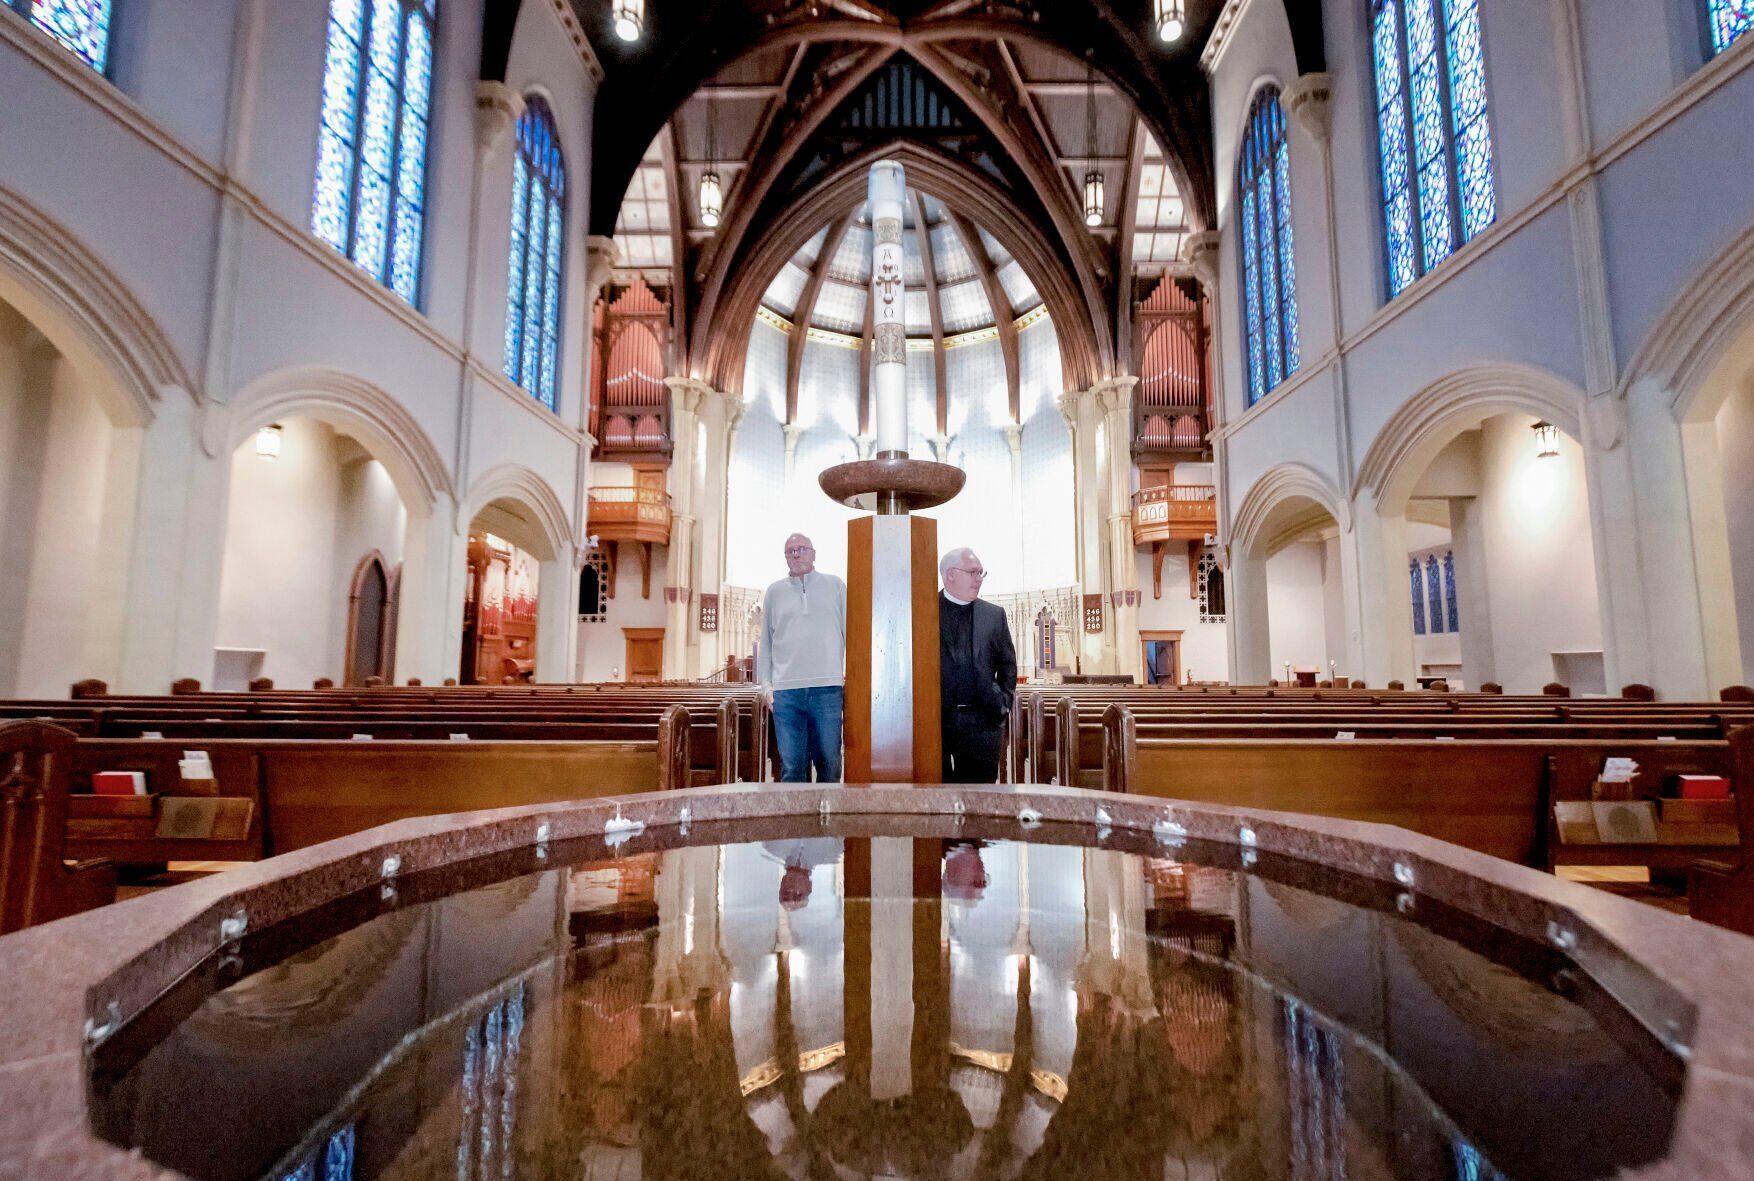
(81, 26)
(1434, 134)
(370, 194)
(533, 283)
(1269, 267)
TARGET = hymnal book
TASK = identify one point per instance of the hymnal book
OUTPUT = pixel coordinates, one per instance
(118, 783)
(1703, 787)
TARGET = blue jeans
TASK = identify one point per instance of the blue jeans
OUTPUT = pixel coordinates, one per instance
(807, 724)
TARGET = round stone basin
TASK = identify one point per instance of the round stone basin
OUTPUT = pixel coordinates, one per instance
(890, 982)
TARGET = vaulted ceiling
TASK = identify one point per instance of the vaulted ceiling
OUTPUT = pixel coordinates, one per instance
(788, 101)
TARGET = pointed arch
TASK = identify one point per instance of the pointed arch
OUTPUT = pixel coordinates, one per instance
(517, 483)
(1425, 423)
(1278, 486)
(88, 312)
(1698, 329)
(365, 411)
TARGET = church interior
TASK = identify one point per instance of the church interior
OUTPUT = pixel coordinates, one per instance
(1343, 408)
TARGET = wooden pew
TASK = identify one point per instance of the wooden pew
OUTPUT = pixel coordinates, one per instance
(309, 791)
(36, 883)
(1722, 892)
(1490, 795)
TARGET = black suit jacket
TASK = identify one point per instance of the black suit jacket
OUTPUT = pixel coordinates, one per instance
(995, 664)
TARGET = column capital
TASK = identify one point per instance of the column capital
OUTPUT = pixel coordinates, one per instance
(1200, 251)
(601, 257)
(1115, 393)
(497, 110)
(1013, 435)
(941, 447)
(689, 393)
(1309, 100)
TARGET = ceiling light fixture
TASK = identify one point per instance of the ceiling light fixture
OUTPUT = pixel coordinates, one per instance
(1093, 182)
(630, 19)
(1171, 21)
(268, 441)
(712, 192)
(1546, 440)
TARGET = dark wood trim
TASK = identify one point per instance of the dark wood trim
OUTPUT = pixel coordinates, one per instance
(806, 309)
(1000, 303)
(935, 310)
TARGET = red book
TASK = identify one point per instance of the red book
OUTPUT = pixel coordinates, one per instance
(118, 783)
(1703, 787)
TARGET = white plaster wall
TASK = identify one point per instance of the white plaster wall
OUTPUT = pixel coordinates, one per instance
(1539, 556)
(602, 654)
(297, 528)
(1735, 427)
(1297, 583)
(1205, 646)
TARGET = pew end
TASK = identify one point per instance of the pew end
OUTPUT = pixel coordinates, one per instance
(36, 884)
(1722, 892)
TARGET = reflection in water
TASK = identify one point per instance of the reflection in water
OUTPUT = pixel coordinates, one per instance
(819, 1009)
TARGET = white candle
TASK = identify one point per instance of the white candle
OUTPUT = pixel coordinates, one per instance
(887, 190)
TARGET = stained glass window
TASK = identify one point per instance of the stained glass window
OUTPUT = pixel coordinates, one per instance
(82, 26)
(1434, 137)
(1434, 595)
(1449, 591)
(532, 314)
(370, 197)
(1728, 20)
(1269, 266)
(1418, 597)
(1315, 1093)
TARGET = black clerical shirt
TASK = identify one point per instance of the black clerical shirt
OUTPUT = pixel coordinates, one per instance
(961, 682)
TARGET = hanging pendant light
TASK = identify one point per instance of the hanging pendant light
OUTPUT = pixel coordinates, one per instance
(1171, 20)
(1093, 198)
(712, 192)
(630, 18)
(1546, 440)
(1093, 182)
(712, 200)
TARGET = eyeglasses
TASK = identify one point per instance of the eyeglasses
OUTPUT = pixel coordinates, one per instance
(977, 573)
(795, 550)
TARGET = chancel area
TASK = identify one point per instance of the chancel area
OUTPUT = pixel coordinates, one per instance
(877, 588)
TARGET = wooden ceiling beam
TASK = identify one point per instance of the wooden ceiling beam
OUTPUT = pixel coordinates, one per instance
(1000, 304)
(676, 348)
(1129, 222)
(935, 308)
(806, 309)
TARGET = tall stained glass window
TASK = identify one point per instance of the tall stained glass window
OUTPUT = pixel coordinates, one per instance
(1418, 597)
(1433, 133)
(1728, 20)
(532, 312)
(371, 147)
(1434, 595)
(1449, 591)
(83, 26)
(1269, 266)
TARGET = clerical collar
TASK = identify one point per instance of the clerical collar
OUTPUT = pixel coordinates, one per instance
(957, 601)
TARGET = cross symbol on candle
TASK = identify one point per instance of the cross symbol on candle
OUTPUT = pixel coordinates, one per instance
(888, 281)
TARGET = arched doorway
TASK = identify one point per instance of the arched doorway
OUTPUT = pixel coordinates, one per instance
(1482, 481)
(1290, 585)
(371, 621)
(516, 539)
(315, 529)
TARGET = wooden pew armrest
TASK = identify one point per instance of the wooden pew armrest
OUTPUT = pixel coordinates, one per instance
(86, 885)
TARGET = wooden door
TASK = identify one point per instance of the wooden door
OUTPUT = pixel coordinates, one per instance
(645, 654)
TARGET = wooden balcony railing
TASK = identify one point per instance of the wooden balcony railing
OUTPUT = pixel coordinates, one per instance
(1174, 512)
(630, 514)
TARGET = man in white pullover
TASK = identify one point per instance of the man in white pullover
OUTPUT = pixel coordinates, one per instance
(801, 663)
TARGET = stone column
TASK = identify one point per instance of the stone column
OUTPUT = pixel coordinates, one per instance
(1014, 439)
(1201, 253)
(1473, 592)
(720, 413)
(1082, 415)
(1251, 658)
(1379, 606)
(686, 399)
(557, 617)
(1116, 400)
(429, 611)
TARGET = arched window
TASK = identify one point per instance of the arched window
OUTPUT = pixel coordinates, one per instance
(1269, 267)
(532, 313)
(1449, 591)
(371, 146)
(1432, 130)
(1418, 597)
(82, 26)
(1727, 20)
(1433, 595)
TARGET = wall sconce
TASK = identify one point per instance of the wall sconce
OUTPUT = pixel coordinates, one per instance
(1171, 21)
(630, 19)
(1546, 440)
(1093, 198)
(712, 200)
(268, 441)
